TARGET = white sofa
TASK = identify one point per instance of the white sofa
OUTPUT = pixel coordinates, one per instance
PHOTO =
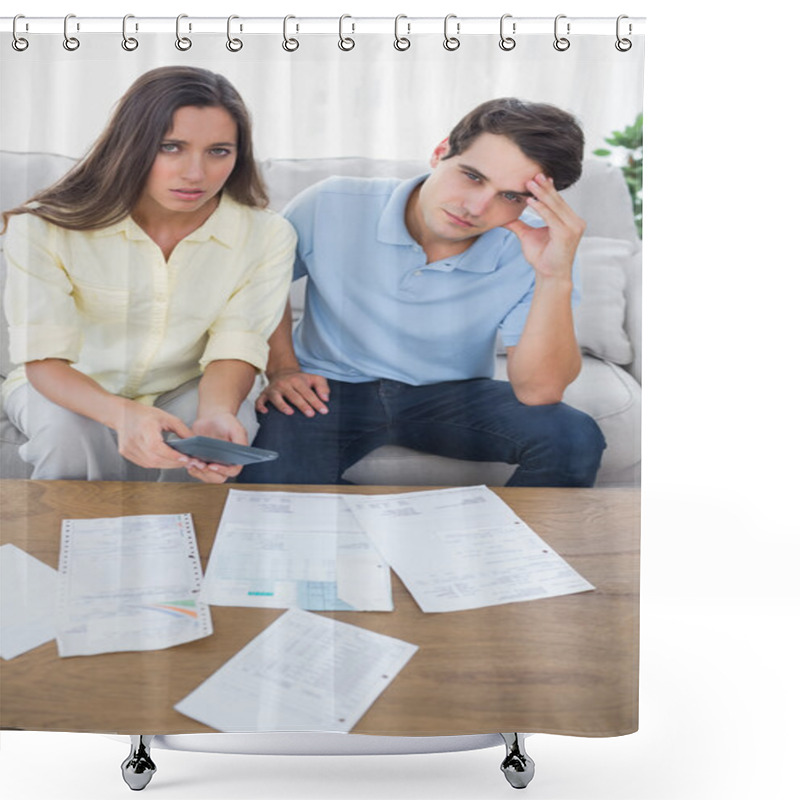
(608, 319)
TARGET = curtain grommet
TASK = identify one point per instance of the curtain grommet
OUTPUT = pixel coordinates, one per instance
(507, 43)
(289, 43)
(19, 43)
(129, 43)
(451, 43)
(183, 43)
(346, 43)
(623, 44)
(233, 44)
(71, 43)
(561, 43)
(401, 43)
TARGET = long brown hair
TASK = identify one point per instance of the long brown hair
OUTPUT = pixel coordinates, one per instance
(105, 185)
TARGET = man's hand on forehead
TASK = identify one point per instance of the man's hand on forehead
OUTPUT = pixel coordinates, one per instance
(550, 250)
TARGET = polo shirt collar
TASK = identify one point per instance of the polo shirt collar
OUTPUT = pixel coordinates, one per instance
(392, 223)
(221, 225)
(482, 256)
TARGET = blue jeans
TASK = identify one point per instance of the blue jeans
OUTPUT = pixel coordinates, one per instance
(479, 420)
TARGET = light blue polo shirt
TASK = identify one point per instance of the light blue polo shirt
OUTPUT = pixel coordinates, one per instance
(374, 307)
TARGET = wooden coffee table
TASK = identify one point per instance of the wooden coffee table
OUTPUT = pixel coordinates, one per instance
(560, 665)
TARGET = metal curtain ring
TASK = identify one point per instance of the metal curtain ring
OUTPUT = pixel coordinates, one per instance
(182, 42)
(289, 44)
(507, 42)
(345, 42)
(129, 43)
(561, 43)
(234, 45)
(401, 42)
(623, 45)
(451, 42)
(19, 43)
(70, 42)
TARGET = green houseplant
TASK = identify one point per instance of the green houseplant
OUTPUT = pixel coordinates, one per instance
(628, 144)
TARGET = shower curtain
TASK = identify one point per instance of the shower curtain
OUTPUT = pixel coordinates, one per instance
(548, 641)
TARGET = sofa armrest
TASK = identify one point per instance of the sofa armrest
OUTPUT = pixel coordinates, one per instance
(633, 313)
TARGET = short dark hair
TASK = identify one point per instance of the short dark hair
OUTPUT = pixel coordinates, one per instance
(546, 134)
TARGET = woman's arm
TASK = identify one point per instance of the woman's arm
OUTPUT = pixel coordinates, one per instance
(139, 428)
(223, 388)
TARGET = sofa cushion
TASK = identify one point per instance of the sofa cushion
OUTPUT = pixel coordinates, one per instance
(5, 358)
(613, 398)
(602, 198)
(399, 466)
(286, 178)
(601, 315)
(11, 465)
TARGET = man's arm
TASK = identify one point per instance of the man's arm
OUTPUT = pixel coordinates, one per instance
(547, 357)
(288, 384)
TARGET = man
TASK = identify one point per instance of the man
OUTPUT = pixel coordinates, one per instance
(408, 284)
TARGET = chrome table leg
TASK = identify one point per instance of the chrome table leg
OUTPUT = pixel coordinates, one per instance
(138, 768)
(517, 766)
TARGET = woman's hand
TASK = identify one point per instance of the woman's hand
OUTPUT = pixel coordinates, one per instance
(140, 436)
(220, 425)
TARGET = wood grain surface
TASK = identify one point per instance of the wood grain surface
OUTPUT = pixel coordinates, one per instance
(559, 665)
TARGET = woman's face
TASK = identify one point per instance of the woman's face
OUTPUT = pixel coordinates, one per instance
(195, 159)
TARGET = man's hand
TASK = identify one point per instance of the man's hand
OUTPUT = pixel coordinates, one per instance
(550, 250)
(307, 392)
(220, 425)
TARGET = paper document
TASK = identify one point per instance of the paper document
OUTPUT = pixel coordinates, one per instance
(294, 550)
(304, 672)
(27, 602)
(129, 583)
(462, 548)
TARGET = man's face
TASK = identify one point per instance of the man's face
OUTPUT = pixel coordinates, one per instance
(466, 195)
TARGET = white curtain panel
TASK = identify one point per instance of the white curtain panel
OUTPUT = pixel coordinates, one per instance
(319, 101)
(369, 111)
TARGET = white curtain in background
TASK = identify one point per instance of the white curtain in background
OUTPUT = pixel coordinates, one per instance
(372, 101)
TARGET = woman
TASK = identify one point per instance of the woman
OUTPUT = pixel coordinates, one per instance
(142, 289)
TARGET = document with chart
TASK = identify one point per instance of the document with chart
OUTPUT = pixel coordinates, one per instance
(294, 550)
(302, 673)
(462, 548)
(129, 583)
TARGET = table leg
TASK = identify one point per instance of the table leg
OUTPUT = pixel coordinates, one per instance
(138, 768)
(517, 766)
